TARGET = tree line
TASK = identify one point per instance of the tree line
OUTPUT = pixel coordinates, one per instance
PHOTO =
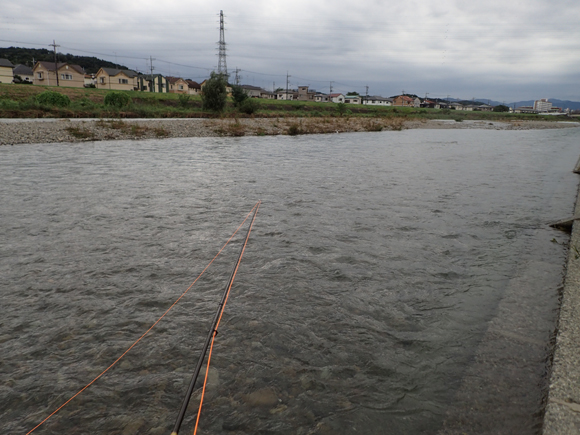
(26, 56)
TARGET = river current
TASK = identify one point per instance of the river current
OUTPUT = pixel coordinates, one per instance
(395, 282)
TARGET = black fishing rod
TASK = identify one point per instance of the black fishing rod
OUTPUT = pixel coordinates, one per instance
(212, 332)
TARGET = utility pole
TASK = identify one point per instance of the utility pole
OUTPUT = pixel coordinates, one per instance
(367, 91)
(330, 95)
(152, 81)
(55, 63)
(222, 66)
(287, 77)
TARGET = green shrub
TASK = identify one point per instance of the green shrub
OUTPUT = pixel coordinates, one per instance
(239, 95)
(341, 108)
(8, 105)
(183, 100)
(249, 106)
(117, 99)
(51, 98)
(214, 93)
(294, 130)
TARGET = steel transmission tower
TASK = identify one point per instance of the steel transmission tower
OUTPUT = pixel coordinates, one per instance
(222, 66)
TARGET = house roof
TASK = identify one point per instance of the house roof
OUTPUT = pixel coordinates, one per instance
(336, 95)
(113, 72)
(6, 62)
(50, 66)
(193, 85)
(377, 98)
(174, 80)
(22, 70)
(251, 88)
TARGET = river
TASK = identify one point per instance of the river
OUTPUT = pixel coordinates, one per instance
(395, 282)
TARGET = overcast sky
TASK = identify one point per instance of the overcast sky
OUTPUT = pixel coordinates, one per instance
(506, 50)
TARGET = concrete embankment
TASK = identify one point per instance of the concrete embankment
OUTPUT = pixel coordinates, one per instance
(563, 408)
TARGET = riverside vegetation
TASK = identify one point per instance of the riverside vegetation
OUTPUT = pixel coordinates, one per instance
(239, 116)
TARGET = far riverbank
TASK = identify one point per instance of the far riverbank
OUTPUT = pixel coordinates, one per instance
(27, 131)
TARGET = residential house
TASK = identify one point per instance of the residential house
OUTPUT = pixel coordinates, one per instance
(6, 68)
(321, 98)
(45, 74)
(177, 85)
(267, 95)
(90, 81)
(484, 108)
(377, 101)
(455, 106)
(428, 104)
(117, 79)
(152, 83)
(442, 105)
(352, 99)
(252, 91)
(337, 98)
(24, 72)
(287, 95)
(403, 100)
(304, 94)
(193, 88)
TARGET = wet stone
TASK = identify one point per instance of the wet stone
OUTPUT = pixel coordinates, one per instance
(266, 397)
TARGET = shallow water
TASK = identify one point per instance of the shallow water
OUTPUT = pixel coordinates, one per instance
(379, 272)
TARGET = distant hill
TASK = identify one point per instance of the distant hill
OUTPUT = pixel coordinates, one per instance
(25, 56)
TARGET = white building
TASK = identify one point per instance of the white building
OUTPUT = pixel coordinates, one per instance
(377, 101)
(542, 105)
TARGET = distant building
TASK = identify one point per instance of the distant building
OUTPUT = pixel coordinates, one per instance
(117, 79)
(321, 98)
(177, 85)
(152, 83)
(403, 100)
(252, 91)
(377, 101)
(337, 98)
(6, 67)
(291, 94)
(24, 72)
(525, 109)
(352, 99)
(193, 88)
(68, 75)
(542, 105)
(304, 94)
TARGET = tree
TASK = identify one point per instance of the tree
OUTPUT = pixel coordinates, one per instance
(353, 93)
(214, 93)
(238, 95)
(501, 108)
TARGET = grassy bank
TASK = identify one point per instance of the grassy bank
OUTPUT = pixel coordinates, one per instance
(20, 101)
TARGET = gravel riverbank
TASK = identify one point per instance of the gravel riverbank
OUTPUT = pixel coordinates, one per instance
(26, 131)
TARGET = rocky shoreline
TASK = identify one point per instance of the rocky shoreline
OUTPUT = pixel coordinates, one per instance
(28, 131)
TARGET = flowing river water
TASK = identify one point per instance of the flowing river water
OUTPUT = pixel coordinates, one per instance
(395, 282)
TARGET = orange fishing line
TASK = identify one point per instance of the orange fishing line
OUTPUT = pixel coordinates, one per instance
(146, 332)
